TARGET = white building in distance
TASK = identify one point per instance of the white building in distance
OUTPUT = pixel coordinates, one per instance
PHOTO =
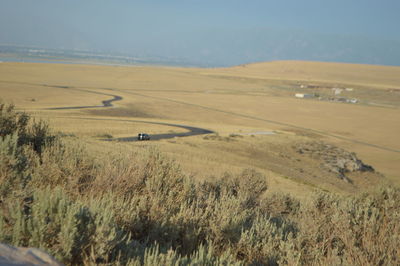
(337, 91)
(304, 95)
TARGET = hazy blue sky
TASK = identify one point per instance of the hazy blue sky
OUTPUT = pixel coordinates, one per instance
(217, 32)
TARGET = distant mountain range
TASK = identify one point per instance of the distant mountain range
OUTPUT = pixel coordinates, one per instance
(232, 47)
(238, 46)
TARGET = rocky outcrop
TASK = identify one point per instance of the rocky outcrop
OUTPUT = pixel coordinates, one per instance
(10, 255)
(334, 159)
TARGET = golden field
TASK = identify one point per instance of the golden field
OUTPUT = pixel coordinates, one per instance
(235, 103)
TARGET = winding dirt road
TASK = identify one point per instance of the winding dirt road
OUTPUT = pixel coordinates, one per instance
(105, 103)
(191, 131)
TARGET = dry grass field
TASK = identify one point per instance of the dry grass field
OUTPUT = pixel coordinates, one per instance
(235, 103)
(237, 172)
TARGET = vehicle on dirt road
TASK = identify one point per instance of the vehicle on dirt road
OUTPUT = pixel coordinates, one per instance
(143, 136)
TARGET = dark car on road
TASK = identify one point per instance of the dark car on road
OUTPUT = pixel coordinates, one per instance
(143, 136)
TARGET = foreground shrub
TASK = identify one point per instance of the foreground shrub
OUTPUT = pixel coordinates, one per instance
(203, 256)
(21, 146)
(14, 165)
(35, 133)
(67, 164)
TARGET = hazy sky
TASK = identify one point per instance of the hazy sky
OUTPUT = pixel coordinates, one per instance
(217, 32)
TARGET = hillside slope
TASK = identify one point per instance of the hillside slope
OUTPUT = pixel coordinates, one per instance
(373, 75)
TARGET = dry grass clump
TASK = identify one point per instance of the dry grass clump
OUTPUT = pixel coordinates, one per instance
(139, 208)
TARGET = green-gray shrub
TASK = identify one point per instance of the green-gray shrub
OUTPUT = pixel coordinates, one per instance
(35, 134)
(16, 165)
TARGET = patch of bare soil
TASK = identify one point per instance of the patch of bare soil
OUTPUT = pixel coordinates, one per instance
(221, 138)
(128, 111)
(304, 133)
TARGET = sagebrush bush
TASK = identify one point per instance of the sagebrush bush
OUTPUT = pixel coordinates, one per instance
(36, 133)
(139, 208)
(12, 164)
(66, 164)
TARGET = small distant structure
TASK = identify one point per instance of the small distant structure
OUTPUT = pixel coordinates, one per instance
(397, 91)
(353, 101)
(349, 89)
(309, 86)
(304, 95)
(337, 91)
(343, 100)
